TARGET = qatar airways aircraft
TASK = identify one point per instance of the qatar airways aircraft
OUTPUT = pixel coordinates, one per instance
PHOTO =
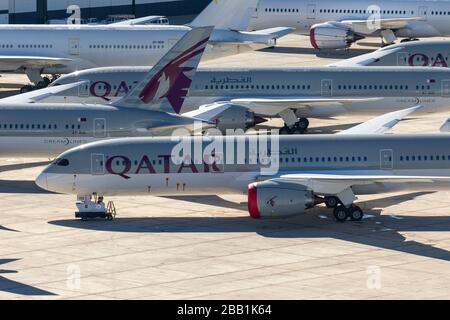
(60, 49)
(294, 94)
(43, 129)
(282, 175)
(433, 53)
(338, 24)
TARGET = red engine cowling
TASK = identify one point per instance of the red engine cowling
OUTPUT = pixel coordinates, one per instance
(332, 35)
(278, 198)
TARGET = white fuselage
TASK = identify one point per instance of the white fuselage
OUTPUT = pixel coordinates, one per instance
(303, 14)
(381, 90)
(86, 46)
(147, 166)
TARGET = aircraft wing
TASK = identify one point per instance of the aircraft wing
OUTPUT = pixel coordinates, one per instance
(365, 59)
(382, 123)
(279, 104)
(340, 184)
(17, 62)
(41, 94)
(379, 24)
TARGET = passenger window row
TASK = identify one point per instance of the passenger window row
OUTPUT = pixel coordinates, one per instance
(27, 46)
(425, 158)
(282, 10)
(258, 87)
(374, 87)
(28, 126)
(113, 46)
(440, 13)
(323, 159)
(364, 11)
(35, 46)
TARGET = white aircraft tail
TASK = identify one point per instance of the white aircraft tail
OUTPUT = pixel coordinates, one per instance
(170, 79)
(227, 14)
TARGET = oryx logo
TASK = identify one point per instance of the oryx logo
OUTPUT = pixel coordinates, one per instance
(171, 82)
(272, 202)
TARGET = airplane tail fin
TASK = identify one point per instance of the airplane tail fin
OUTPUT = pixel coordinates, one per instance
(227, 14)
(170, 79)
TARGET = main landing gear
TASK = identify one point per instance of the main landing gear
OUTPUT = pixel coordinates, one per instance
(89, 208)
(293, 125)
(41, 84)
(343, 212)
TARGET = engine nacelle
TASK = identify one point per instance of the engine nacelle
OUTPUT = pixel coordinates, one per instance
(278, 198)
(237, 117)
(332, 35)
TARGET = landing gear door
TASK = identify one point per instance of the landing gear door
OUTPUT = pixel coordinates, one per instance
(74, 46)
(327, 88)
(311, 11)
(386, 159)
(446, 88)
(99, 128)
(83, 89)
(402, 59)
(97, 164)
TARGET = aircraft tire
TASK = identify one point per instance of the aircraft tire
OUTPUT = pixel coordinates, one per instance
(356, 214)
(340, 214)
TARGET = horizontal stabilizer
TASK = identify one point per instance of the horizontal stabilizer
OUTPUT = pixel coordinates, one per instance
(227, 14)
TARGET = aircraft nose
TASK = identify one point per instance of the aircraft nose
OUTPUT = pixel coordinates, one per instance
(41, 181)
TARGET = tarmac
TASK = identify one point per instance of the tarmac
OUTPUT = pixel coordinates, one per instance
(208, 247)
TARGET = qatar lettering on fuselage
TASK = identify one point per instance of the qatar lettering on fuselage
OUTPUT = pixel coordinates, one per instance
(424, 60)
(123, 166)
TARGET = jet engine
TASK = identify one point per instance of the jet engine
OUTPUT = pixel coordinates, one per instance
(237, 117)
(278, 199)
(332, 35)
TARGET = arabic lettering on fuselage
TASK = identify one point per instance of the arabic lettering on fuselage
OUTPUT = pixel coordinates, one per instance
(228, 80)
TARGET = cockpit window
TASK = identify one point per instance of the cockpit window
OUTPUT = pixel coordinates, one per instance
(61, 162)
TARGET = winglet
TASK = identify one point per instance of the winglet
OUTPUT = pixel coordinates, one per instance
(170, 79)
(227, 14)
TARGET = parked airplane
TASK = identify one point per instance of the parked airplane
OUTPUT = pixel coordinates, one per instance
(338, 24)
(434, 53)
(293, 94)
(51, 49)
(282, 175)
(44, 129)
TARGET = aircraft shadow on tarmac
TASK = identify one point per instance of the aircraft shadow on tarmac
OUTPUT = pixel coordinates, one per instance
(21, 186)
(330, 54)
(11, 286)
(375, 230)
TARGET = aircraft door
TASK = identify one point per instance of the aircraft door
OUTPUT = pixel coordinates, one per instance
(386, 159)
(99, 128)
(83, 89)
(97, 164)
(423, 12)
(256, 12)
(402, 59)
(311, 11)
(446, 88)
(74, 46)
(327, 88)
